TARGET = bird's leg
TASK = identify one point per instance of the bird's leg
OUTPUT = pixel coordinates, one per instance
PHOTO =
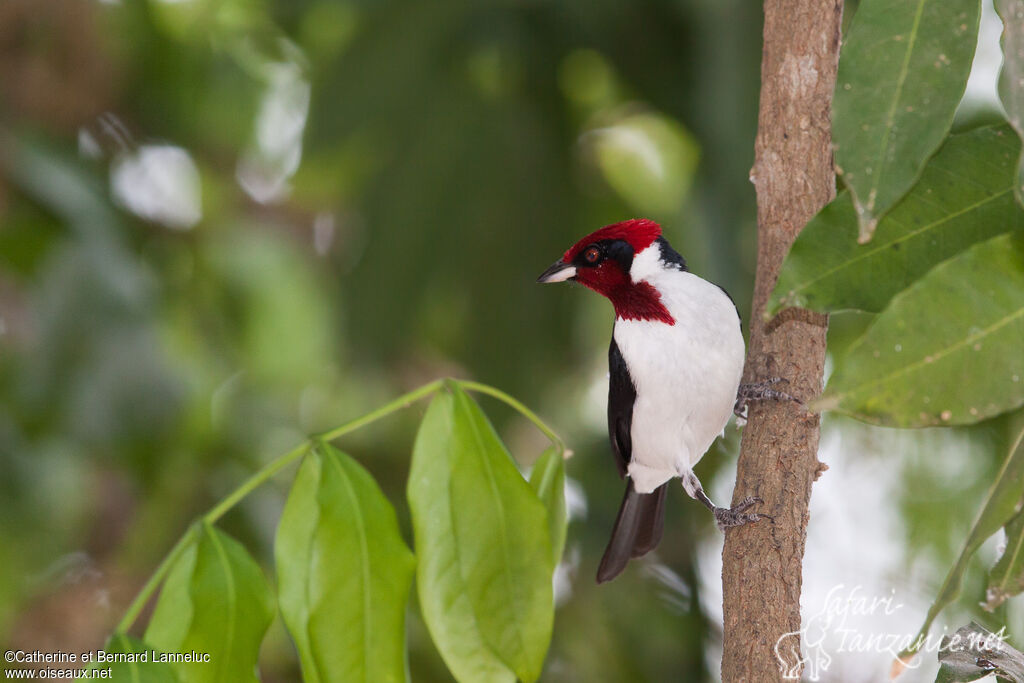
(760, 391)
(724, 517)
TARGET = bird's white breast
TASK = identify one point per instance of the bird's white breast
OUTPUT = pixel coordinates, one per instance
(686, 375)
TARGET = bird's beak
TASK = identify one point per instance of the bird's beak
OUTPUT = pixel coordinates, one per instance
(559, 271)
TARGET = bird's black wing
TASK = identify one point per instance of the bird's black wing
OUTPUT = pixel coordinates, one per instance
(621, 396)
(641, 516)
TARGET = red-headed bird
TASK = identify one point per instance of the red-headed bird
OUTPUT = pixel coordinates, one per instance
(675, 363)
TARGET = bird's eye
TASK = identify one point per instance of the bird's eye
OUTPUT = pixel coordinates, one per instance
(592, 255)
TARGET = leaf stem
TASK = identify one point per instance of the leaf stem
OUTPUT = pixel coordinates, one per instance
(254, 482)
(403, 401)
(282, 461)
(513, 403)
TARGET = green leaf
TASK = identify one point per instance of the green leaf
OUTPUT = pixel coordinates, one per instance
(142, 670)
(485, 565)
(548, 480)
(344, 573)
(964, 196)
(902, 72)
(998, 507)
(214, 601)
(947, 350)
(648, 158)
(1011, 78)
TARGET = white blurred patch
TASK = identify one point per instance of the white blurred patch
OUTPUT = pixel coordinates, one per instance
(265, 168)
(159, 183)
(594, 406)
(575, 500)
(88, 146)
(565, 572)
(982, 86)
(857, 544)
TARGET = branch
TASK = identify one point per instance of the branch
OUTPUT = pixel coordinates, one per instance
(794, 177)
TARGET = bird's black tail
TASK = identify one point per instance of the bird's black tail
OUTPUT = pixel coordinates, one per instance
(637, 530)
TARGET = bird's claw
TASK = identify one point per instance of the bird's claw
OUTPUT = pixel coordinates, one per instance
(761, 391)
(737, 515)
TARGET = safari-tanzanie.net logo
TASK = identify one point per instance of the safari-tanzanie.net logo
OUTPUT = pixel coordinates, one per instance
(809, 652)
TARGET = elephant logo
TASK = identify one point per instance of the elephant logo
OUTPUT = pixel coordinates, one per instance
(817, 660)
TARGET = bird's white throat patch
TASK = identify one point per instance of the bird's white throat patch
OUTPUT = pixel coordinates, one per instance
(647, 263)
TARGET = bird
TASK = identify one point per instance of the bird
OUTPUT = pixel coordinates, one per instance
(675, 365)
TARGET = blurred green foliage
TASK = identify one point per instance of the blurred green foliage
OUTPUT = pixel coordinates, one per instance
(225, 224)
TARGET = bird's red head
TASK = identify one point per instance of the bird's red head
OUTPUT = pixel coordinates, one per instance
(602, 262)
(638, 233)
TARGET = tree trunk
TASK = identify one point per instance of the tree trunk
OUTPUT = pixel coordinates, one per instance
(794, 177)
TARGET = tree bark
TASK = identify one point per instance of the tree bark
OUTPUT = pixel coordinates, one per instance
(794, 177)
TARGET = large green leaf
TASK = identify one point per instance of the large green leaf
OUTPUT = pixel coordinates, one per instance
(998, 507)
(138, 666)
(482, 541)
(947, 350)
(964, 196)
(648, 158)
(1011, 78)
(344, 573)
(548, 480)
(214, 601)
(902, 72)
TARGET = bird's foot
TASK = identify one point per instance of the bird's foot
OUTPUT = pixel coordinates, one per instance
(738, 515)
(760, 391)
